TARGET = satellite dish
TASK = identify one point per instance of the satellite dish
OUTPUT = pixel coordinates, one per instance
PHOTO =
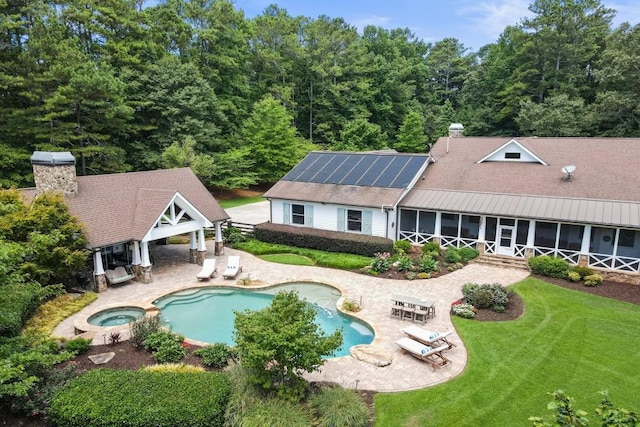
(569, 170)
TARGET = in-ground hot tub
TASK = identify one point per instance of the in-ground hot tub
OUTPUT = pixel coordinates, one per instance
(116, 316)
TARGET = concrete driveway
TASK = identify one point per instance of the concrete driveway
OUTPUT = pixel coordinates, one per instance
(253, 213)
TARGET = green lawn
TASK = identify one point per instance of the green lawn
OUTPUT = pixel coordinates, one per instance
(292, 259)
(567, 340)
(225, 204)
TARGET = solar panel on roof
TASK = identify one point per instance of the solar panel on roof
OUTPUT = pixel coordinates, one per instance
(363, 169)
(394, 168)
(349, 163)
(301, 167)
(404, 178)
(372, 174)
(358, 170)
(312, 169)
(330, 167)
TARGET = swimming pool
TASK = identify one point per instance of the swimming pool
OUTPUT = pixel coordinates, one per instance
(207, 314)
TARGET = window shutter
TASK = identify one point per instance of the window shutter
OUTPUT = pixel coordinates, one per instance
(367, 220)
(286, 213)
(341, 218)
(308, 215)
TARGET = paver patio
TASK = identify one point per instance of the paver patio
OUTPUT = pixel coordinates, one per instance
(173, 272)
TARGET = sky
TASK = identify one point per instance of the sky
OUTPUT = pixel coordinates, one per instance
(475, 23)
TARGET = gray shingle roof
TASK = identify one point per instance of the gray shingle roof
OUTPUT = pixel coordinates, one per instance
(120, 207)
(604, 189)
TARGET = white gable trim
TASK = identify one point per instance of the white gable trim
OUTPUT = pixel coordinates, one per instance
(512, 146)
(171, 221)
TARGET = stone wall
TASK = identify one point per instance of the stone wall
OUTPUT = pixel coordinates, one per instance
(56, 178)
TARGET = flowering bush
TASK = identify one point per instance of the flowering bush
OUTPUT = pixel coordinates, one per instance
(593, 280)
(464, 310)
(381, 262)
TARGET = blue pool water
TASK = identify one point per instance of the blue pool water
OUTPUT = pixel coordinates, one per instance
(116, 316)
(207, 314)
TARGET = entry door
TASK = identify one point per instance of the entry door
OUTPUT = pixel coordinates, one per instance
(505, 240)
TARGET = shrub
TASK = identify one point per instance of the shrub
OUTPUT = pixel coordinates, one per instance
(549, 266)
(452, 255)
(18, 301)
(401, 246)
(78, 345)
(431, 247)
(276, 412)
(173, 367)
(593, 280)
(485, 295)
(104, 397)
(423, 275)
(324, 240)
(574, 276)
(115, 337)
(233, 235)
(351, 305)
(381, 262)
(165, 346)
(582, 271)
(404, 263)
(216, 355)
(141, 328)
(336, 406)
(428, 264)
(464, 310)
(51, 313)
(410, 275)
(467, 254)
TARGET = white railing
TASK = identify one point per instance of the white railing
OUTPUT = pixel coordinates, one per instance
(519, 251)
(572, 257)
(457, 242)
(415, 237)
(490, 248)
(614, 262)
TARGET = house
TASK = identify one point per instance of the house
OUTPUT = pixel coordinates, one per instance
(574, 198)
(124, 212)
(346, 191)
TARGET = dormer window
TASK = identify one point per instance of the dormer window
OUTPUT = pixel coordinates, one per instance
(512, 151)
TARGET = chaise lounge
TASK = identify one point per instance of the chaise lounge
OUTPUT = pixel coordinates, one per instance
(118, 275)
(233, 267)
(433, 356)
(430, 338)
(208, 269)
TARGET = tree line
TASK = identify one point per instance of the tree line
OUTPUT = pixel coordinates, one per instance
(195, 83)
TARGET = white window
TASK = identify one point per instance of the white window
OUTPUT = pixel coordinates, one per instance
(354, 220)
(297, 214)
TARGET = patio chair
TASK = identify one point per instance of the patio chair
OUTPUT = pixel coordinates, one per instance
(430, 338)
(118, 275)
(233, 267)
(208, 269)
(433, 356)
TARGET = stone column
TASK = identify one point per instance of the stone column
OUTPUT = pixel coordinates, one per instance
(202, 247)
(193, 248)
(143, 271)
(99, 279)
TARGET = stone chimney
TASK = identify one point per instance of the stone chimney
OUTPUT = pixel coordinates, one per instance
(456, 130)
(55, 171)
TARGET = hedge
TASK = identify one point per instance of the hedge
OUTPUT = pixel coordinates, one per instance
(105, 398)
(18, 301)
(324, 240)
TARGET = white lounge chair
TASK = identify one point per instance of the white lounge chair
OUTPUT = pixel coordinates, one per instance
(208, 269)
(430, 338)
(118, 275)
(433, 356)
(233, 267)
